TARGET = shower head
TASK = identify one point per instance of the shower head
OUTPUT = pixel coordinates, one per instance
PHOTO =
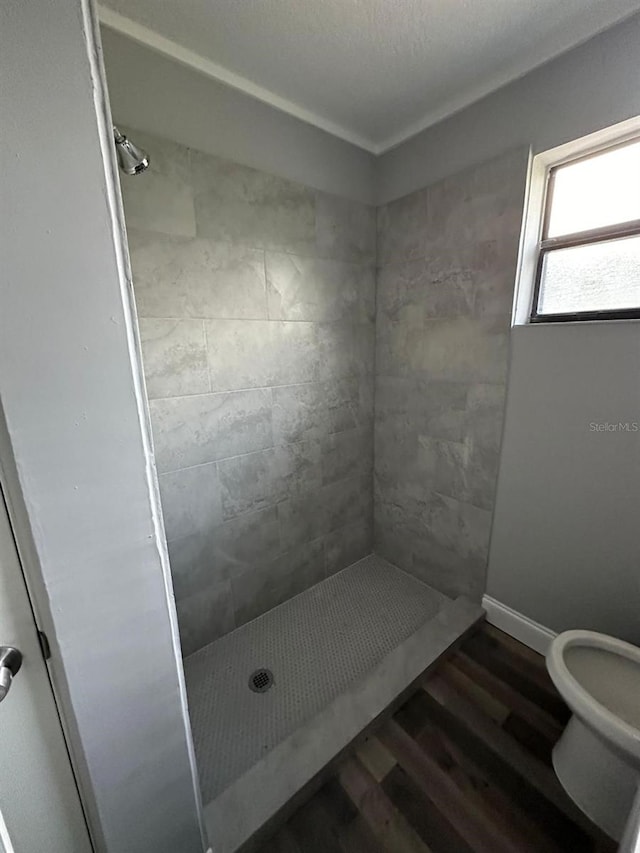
(132, 160)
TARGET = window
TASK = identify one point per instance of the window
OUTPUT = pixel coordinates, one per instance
(589, 255)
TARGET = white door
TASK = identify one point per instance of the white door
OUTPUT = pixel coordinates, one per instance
(40, 810)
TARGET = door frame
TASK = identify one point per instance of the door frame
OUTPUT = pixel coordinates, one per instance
(42, 699)
(81, 487)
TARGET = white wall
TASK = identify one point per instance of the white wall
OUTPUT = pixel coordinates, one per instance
(75, 440)
(592, 86)
(565, 547)
(161, 96)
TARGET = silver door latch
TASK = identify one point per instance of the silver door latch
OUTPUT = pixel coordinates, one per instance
(10, 663)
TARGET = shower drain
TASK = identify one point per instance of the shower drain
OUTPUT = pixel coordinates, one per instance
(261, 680)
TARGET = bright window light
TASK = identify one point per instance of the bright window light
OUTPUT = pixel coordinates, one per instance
(589, 255)
(601, 190)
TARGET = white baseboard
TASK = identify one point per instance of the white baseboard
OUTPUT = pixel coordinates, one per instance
(520, 627)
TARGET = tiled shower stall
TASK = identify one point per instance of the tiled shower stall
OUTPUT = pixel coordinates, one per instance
(262, 338)
(326, 382)
(256, 302)
(447, 258)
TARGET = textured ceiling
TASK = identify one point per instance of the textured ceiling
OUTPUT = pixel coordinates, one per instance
(372, 71)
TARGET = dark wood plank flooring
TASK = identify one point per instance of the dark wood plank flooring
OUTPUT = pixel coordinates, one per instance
(463, 767)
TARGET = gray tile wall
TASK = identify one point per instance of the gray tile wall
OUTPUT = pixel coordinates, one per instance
(256, 301)
(447, 263)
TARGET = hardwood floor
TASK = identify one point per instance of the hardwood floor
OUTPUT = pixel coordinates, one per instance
(463, 767)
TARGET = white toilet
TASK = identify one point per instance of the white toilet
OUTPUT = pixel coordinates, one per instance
(597, 759)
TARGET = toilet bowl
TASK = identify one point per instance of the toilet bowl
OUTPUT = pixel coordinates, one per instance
(597, 759)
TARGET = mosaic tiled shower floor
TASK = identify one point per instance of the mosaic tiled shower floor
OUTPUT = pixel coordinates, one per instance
(315, 645)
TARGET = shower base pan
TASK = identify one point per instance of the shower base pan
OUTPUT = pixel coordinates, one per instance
(272, 703)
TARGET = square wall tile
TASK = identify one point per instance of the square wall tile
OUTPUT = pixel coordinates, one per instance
(307, 517)
(195, 278)
(318, 289)
(345, 349)
(265, 478)
(261, 353)
(402, 227)
(346, 455)
(191, 500)
(238, 204)
(190, 431)
(213, 555)
(265, 586)
(348, 544)
(345, 229)
(318, 409)
(174, 357)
